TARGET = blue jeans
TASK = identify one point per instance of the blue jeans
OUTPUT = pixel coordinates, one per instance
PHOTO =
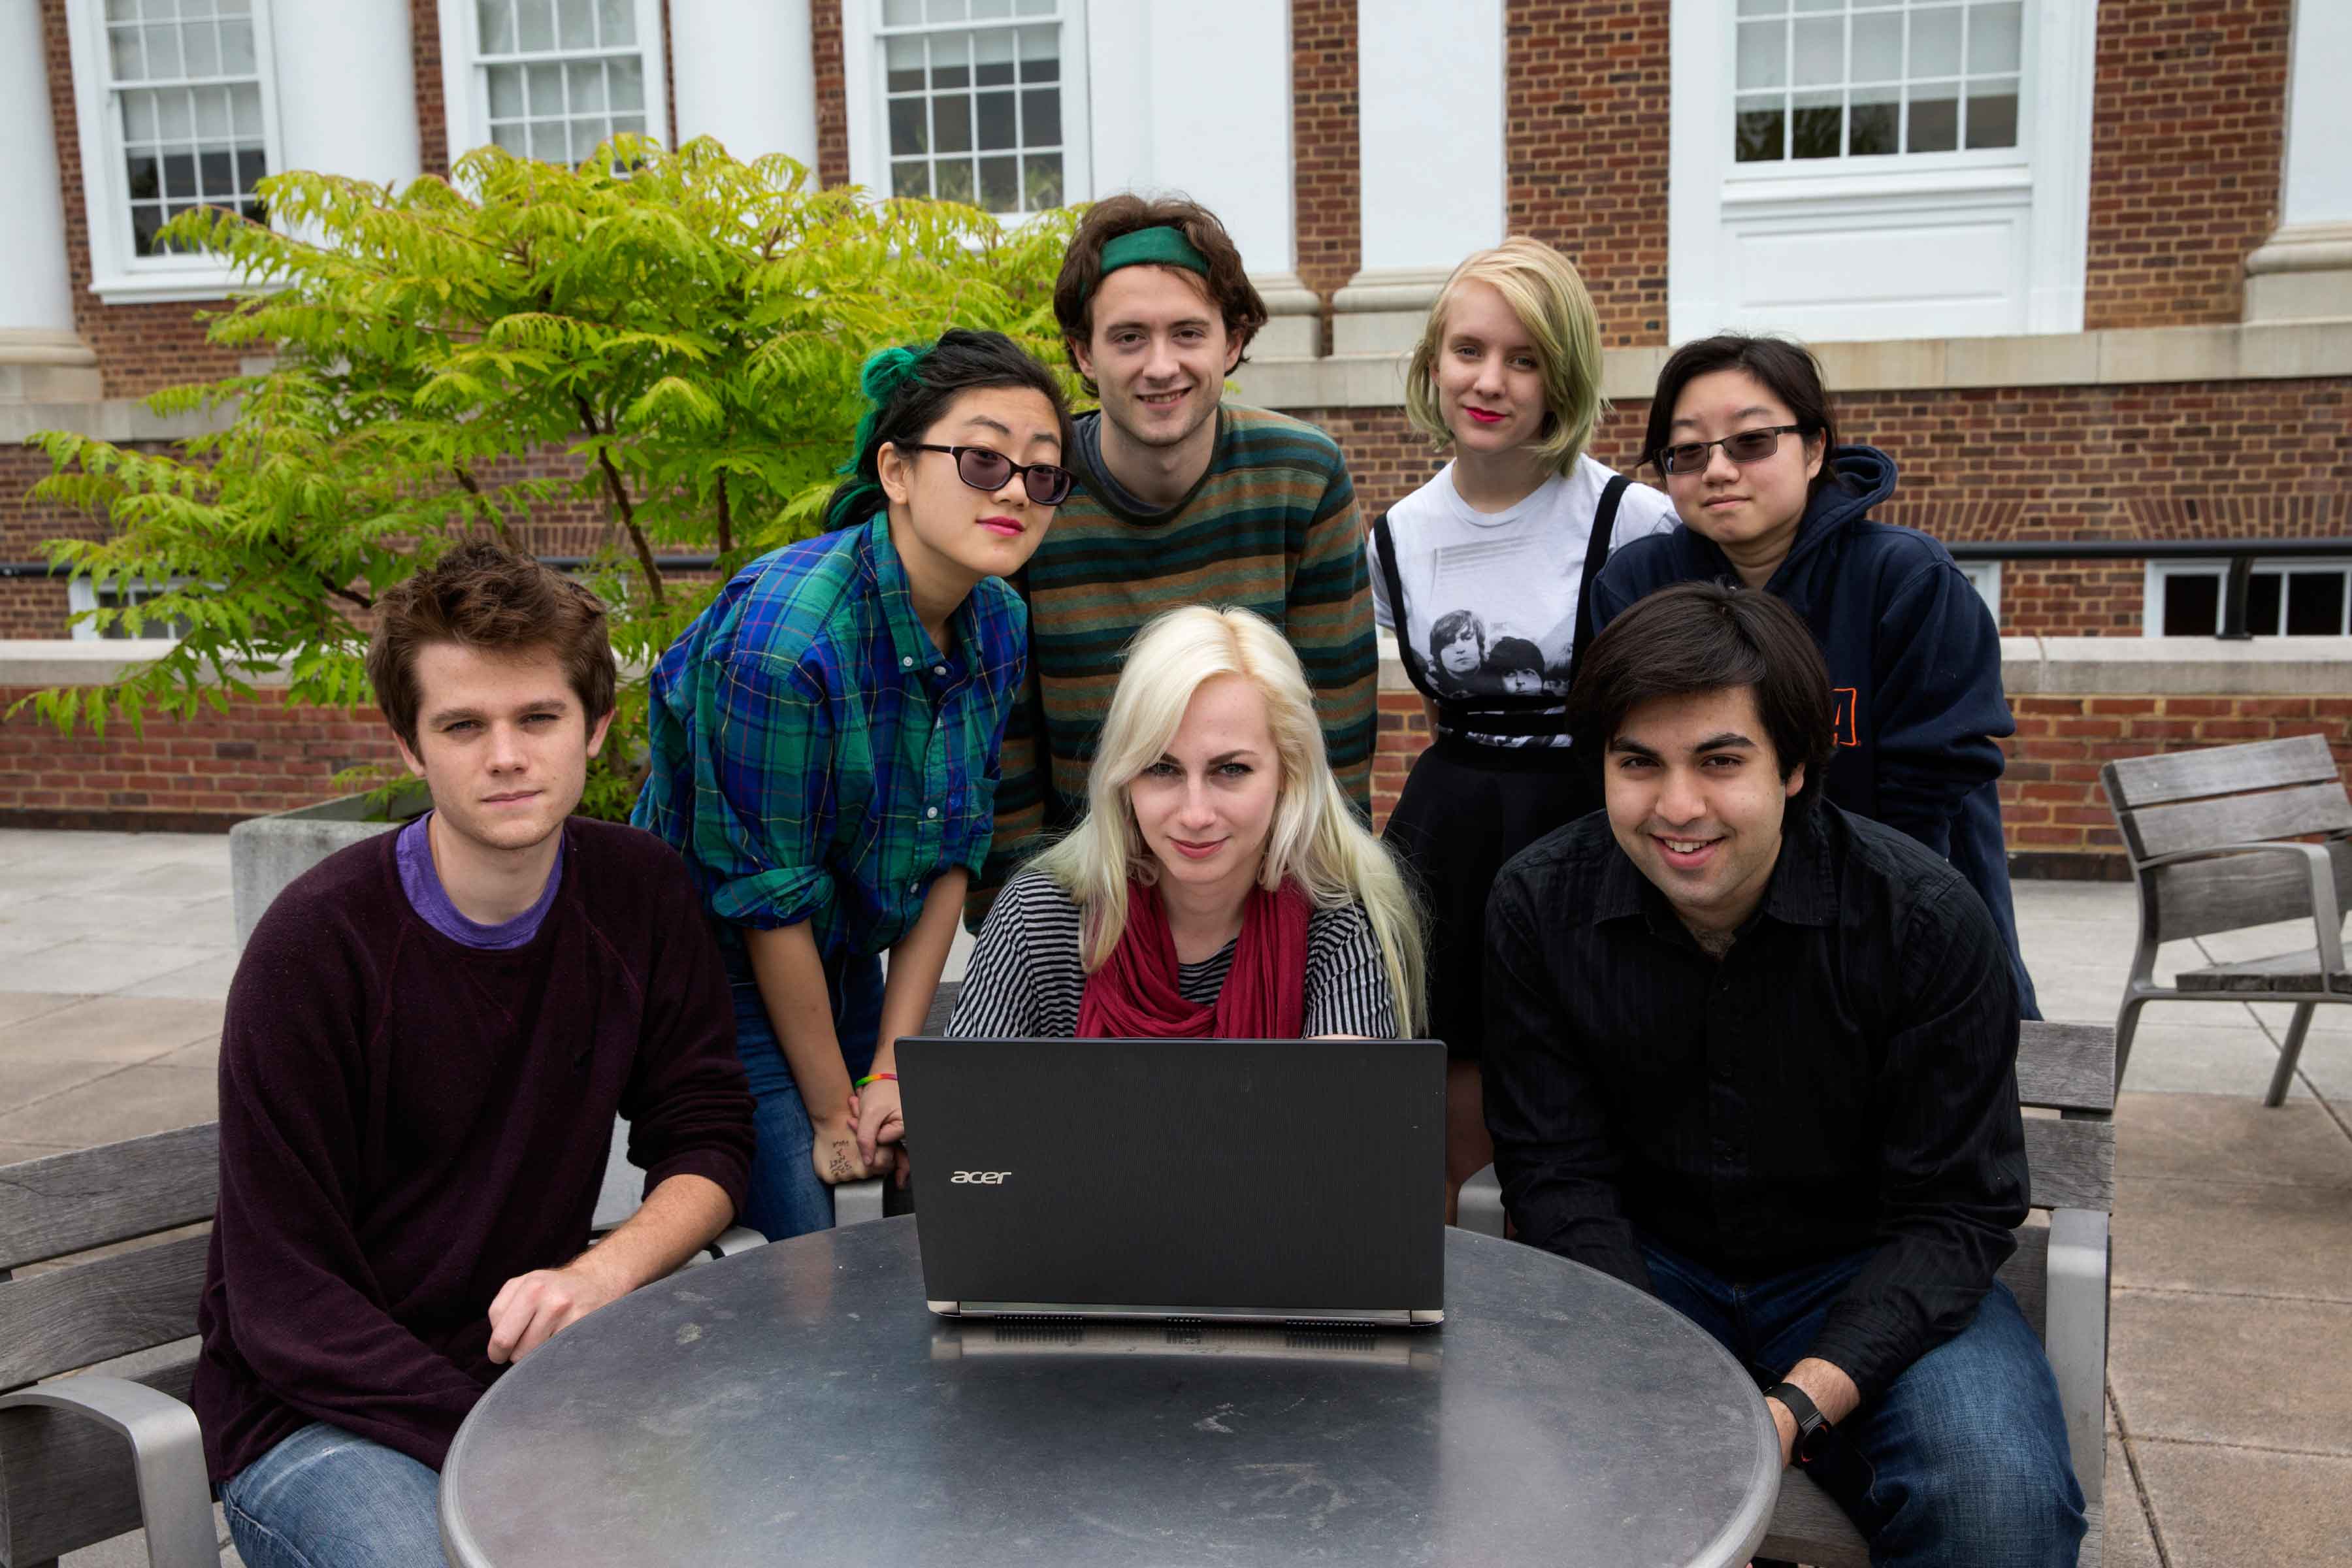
(324, 1498)
(1969, 1441)
(786, 1197)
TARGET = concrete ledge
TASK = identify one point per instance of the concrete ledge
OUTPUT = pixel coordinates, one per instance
(115, 419)
(2253, 351)
(2030, 665)
(66, 661)
(2176, 667)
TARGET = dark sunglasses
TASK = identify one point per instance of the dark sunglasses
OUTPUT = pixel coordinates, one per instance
(1747, 446)
(985, 470)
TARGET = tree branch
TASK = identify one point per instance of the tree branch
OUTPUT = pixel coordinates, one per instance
(481, 503)
(362, 601)
(619, 491)
(726, 518)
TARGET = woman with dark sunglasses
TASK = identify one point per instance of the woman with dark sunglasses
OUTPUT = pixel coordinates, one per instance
(825, 748)
(1742, 434)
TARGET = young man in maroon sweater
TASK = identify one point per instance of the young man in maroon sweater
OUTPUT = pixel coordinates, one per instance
(426, 1045)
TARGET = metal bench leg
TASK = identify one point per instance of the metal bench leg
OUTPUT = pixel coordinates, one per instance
(2284, 1078)
(2127, 1021)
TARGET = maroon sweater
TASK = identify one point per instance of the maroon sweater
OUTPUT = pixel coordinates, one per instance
(406, 1123)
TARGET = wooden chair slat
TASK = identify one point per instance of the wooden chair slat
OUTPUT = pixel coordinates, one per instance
(2066, 1066)
(2281, 971)
(72, 1317)
(2073, 1164)
(66, 1481)
(1806, 1527)
(65, 1203)
(2202, 897)
(2239, 819)
(2138, 782)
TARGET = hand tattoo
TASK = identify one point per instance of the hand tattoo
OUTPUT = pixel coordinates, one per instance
(844, 1168)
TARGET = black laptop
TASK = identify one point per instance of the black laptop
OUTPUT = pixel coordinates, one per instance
(1282, 1181)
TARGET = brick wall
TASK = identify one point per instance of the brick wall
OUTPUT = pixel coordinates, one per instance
(1324, 150)
(2051, 803)
(831, 93)
(197, 774)
(1586, 141)
(2187, 132)
(2182, 461)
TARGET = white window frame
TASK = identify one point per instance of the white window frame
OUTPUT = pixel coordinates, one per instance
(1984, 576)
(465, 88)
(118, 273)
(2159, 571)
(870, 110)
(2042, 184)
(81, 596)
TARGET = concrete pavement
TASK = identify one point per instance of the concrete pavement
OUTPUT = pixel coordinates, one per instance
(2230, 1372)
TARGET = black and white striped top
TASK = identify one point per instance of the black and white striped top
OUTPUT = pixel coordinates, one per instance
(1025, 979)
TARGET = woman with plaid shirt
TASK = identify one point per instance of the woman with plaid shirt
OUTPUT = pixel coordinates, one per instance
(825, 748)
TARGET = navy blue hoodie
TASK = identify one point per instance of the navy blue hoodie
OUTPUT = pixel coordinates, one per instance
(1913, 654)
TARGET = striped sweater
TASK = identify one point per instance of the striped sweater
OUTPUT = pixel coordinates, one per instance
(1272, 526)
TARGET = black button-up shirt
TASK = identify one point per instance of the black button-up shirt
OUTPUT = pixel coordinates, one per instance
(1844, 1077)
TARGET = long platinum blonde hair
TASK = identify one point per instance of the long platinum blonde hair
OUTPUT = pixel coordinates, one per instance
(1315, 838)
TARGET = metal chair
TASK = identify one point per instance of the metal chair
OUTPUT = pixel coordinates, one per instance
(2216, 842)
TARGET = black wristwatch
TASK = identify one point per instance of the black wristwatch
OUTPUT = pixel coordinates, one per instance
(1810, 1420)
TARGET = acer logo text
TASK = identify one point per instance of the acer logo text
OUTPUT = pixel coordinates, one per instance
(978, 1178)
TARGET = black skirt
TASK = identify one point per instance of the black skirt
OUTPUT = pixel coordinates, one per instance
(1468, 808)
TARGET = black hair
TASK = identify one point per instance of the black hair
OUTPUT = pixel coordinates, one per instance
(1514, 653)
(1786, 370)
(909, 390)
(1710, 636)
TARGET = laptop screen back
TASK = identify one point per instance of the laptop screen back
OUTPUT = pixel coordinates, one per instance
(1257, 1177)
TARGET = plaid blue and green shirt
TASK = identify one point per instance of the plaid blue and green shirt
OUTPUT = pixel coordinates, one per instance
(814, 757)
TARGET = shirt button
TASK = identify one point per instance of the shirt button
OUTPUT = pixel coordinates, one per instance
(914, 887)
(907, 661)
(938, 669)
(933, 811)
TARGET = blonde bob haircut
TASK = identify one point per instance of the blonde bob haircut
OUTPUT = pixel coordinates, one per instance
(1315, 838)
(1545, 293)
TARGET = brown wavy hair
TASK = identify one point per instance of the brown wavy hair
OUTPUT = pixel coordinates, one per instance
(481, 595)
(1229, 288)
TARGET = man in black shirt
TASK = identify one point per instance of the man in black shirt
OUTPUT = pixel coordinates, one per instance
(1757, 1056)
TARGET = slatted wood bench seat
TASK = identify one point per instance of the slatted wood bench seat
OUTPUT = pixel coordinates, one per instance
(2219, 841)
(2058, 1273)
(68, 1477)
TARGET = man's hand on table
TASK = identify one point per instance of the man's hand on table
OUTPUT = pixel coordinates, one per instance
(531, 1309)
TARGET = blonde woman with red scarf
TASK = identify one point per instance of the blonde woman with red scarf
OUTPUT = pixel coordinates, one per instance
(1220, 885)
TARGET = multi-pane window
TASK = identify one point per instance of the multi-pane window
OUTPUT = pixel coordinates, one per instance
(2294, 599)
(84, 594)
(973, 90)
(186, 82)
(1858, 78)
(561, 75)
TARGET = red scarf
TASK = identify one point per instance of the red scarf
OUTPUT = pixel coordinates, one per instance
(1133, 995)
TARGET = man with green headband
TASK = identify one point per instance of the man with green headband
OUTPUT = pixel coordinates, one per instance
(1183, 499)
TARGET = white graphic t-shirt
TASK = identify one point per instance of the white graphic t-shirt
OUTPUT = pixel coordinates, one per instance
(1491, 597)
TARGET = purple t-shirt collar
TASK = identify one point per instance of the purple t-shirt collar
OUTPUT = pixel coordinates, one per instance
(421, 880)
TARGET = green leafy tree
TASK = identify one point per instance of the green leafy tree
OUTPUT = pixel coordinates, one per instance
(665, 342)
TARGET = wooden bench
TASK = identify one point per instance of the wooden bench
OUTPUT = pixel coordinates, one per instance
(2059, 1274)
(68, 1479)
(2213, 837)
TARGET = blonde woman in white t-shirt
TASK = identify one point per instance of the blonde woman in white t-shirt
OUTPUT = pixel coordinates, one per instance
(1505, 539)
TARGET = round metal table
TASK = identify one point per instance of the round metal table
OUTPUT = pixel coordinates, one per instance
(798, 1403)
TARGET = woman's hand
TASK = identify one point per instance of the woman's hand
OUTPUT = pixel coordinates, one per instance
(881, 1126)
(833, 1150)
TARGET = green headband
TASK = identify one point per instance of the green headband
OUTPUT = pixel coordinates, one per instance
(1161, 247)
